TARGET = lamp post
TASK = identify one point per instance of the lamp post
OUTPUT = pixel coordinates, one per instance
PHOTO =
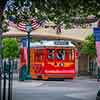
(28, 29)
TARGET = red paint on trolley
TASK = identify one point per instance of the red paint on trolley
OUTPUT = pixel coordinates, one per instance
(58, 62)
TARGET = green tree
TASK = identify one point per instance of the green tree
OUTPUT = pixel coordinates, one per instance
(10, 48)
(88, 46)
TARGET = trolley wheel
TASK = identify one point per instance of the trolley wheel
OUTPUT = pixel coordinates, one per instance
(45, 77)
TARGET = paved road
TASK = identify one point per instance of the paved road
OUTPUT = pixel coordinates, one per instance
(79, 89)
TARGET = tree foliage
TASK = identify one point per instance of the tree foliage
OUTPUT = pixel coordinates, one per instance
(2, 7)
(10, 48)
(88, 46)
(58, 11)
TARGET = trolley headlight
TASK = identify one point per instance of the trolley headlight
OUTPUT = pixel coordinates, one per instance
(62, 64)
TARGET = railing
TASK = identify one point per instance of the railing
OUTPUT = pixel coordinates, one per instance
(6, 74)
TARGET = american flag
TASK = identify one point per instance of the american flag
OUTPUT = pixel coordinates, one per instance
(35, 24)
(21, 26)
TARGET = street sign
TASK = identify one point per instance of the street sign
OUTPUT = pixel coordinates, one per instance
(61, 42)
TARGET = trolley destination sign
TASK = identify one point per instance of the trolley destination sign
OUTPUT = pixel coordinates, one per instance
(61, 42)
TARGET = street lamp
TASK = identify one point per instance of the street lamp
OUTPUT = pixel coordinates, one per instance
(28, 29)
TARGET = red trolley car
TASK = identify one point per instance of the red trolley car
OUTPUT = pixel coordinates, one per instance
(50, 59)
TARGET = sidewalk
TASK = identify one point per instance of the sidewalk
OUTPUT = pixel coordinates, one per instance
(26, 84)
(86, 77)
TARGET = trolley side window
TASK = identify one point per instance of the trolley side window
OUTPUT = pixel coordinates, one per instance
(71, 54)
(38, 55)
(50, 54)
(61, 54)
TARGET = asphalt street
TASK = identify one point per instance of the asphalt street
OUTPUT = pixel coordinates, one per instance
(78, 89)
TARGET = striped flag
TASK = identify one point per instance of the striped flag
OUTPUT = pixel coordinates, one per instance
(21, 26)
(35, 24)
(25, 52)
(25, 55)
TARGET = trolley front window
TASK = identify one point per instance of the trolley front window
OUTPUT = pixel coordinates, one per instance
(50, 54)
(71, 54)
(61, 54)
